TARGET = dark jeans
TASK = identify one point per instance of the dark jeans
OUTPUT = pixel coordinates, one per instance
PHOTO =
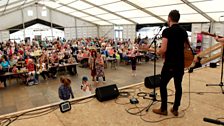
(139, 58)
(166, 74)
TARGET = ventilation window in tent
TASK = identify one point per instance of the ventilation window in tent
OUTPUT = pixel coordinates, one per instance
(30, 13)
(44, 13)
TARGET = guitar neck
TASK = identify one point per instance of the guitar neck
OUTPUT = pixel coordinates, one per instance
(213, 35)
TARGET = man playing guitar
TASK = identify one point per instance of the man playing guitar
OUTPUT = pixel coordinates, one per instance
(172, 48)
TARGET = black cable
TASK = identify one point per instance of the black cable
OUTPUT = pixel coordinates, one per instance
(7, 121)
(37, 115)
(156, 121)
(130, 91)
(201, 93)
(189, 94)
(124, 94)
(133, 92)
(14, 118)
(142, 94)
(136, 107)
(121, 103)
(140, 110)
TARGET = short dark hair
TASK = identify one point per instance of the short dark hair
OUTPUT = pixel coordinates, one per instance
(174, 15)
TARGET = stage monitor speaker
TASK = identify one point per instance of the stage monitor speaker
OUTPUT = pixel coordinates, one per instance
(149, 81)
(107, 92)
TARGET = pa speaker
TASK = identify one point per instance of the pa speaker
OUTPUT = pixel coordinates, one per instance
(107, 92)
(152, 81)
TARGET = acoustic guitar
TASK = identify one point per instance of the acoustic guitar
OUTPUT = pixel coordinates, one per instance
(188, 54)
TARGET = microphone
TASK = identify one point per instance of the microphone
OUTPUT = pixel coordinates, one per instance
(213, 121)
(165, 24)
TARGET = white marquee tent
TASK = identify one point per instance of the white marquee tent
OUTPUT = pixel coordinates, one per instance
(108, 12)
(83, 18)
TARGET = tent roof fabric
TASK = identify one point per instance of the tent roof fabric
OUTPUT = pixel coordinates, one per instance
(117, 12)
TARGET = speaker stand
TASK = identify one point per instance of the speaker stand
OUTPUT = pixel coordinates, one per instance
(221, 77)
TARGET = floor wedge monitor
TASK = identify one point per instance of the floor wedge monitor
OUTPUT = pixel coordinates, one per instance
(107, 92)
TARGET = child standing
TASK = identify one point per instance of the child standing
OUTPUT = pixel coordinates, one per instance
(85, 86)
(133, 64)
(65, 90)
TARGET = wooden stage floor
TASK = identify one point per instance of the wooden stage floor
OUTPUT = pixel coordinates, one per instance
(204, 102)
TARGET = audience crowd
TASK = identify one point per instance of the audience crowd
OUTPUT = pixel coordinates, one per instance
(44, 58)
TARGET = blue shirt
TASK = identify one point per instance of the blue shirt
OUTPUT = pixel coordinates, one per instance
(65, 92)
(5, 64)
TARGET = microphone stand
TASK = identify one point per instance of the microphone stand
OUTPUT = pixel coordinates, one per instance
(221, 83)
(153, 94)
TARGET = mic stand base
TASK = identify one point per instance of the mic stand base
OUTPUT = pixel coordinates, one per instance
(221, 86)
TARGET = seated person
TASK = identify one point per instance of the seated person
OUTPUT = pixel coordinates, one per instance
(2, 78)
(66, 57)
(53, 64)
(61, 57)
(85, 54)
(83, 58)
(42, 69)
(27, 59)
(5, 64)
(72, 68)
(79, 56)
(21, 62)
(14, 68)
(12, 61)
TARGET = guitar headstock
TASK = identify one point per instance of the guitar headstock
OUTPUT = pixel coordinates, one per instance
(207, 33)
